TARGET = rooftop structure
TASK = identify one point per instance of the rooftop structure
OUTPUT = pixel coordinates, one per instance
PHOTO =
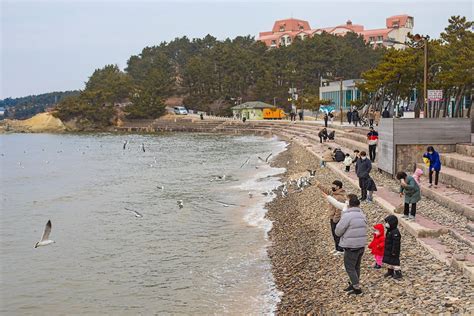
(285, 31)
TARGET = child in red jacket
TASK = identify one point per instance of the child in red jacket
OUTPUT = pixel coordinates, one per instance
(377, 245)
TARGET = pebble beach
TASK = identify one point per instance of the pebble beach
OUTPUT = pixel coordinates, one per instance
(312, 279)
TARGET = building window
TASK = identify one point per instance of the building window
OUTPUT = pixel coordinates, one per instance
(379, 38)
(372, 39)
(274, 42)
(409, 23)
(288, 40)
(301, 27)
(282, 28)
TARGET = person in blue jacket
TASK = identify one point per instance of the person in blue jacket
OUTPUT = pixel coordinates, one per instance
(435, 164)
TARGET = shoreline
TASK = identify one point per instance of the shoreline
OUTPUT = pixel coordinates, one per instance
(311, 278)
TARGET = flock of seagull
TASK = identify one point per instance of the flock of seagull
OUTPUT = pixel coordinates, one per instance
(283, 190)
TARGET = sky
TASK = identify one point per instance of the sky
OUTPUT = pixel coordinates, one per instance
(56, 45)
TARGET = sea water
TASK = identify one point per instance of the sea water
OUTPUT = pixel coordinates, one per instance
(208, 257)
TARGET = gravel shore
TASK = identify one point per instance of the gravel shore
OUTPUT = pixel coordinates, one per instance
(312, 279)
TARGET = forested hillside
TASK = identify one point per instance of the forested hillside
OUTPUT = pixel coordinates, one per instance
(25, 107)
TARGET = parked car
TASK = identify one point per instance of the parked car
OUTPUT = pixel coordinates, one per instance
(180, 110)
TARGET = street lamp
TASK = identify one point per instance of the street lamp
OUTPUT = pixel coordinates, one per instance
(422, 41)
(340, 95)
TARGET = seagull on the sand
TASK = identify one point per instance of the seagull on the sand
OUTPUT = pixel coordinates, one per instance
(312, 173)
(143, 147)
(180, 203)
(250, 195)
(137, 214)
(45, 238)
(125, 144)
(160, 187)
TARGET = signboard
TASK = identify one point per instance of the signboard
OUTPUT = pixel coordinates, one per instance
(435, 95)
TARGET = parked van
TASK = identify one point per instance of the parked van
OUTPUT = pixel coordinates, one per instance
(180, 110)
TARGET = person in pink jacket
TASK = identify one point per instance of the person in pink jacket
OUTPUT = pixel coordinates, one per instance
(417, 175)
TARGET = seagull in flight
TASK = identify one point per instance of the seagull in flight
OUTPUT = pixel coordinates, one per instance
(45, 238)
(246, 162)
(266, 159)
(137, 214)
(312, 173)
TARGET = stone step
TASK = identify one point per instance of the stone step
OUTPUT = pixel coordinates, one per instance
(458, 179)
(355, 136)
(465, 149)
(449, 197)
(458, 161)
(352, 144)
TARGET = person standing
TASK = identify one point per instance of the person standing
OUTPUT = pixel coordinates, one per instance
(411, 190)
(348, 162)
(393, 242)
(435, 164)
(377, 245)
(326, 117)
(339, 194)
(372, 140)
(371, 188)
(349, 116)
(371, 117)
(385, 113)
(355, 117)
(352, 229)
(363, 168)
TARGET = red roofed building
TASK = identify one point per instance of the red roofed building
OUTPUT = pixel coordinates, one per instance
(284, 32)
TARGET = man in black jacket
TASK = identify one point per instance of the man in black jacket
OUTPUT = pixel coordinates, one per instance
(391, 255)
(355, 117)
(323, 134)
(363, 168)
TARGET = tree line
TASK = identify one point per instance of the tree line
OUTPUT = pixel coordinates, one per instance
(25, 107)
(399, 75)
(211, 74)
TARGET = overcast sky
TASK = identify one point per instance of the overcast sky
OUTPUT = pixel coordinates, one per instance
(56, 45)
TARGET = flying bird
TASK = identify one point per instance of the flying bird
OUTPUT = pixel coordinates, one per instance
(45, 238)
(312, 173)
(246, 162)
(137, 214)
(266, 159)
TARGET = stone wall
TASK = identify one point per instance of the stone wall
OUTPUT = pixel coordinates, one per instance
(408, 155)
